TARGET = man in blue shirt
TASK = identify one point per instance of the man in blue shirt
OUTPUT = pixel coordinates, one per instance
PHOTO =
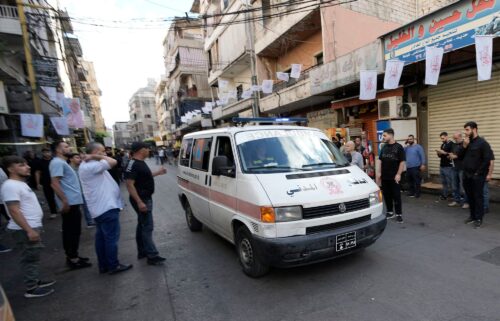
(415, 164)
(69, 198)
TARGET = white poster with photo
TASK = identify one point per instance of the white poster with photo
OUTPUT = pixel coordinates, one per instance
(433, 60)
(283, 76)
(73, 112)
(296, 69)
(368, 84)
(393, 71)
(32, 125)
(267, 86)
(51, 93)
(484, 56)
(60, 124)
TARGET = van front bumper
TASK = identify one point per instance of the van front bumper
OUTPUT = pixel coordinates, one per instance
(306, 249)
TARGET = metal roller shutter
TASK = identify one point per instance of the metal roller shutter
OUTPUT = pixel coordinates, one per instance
(459, 98)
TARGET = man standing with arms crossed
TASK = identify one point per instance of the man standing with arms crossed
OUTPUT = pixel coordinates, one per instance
(69, 199)
(104, 202)
(25, 225)
(415, 163)
(391, 163)
(141, 186)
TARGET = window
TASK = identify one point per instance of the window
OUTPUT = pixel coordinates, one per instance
(224, 149)
(319, 58)
(185, 152)
(147, 116)
(239, 91)
(201, 154)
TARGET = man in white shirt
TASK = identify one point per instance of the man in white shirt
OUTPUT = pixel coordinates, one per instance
(104, 203)
(3, 212)
(25, 224)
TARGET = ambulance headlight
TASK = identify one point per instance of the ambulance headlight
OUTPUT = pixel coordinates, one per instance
(375, 198)
(289, 213)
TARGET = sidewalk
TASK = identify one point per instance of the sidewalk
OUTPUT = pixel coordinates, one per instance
(435, 188)
(86, 294)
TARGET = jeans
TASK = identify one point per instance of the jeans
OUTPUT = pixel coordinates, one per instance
(30, 256)
(71, 229)
(50, 197)
(446, 179)
(474, 187)
(144, 232)
(414, 181)
(486, 196)
(392, 196)
(456, 184)
(461, 178)
(107, 236)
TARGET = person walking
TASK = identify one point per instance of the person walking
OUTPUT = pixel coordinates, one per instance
(43, 180)
(445, 165)
(476, 155)
(69, 199)
(3, 212)
(25, 225)
(105, 203)
(415, 163)
(356, 157)
(141, 186)
(75, 160)
(459, 196)
(391, 162)
(161, 154)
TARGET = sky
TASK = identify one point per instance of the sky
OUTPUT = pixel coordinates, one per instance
(123, 58)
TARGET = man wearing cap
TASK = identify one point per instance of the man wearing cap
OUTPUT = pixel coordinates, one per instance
(141, 186)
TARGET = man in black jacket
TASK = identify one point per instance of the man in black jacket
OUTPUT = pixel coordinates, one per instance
(476, 156)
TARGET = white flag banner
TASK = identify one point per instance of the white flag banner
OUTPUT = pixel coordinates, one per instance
(393, 71)
(283, 76)
(223, 83)
(246, 94)
(296, 69)
(32, 125)
(484, 56)
(267, 86)
(60, 125)
(368, 84)
(183, 119)
(433, 60)
(218, 103)
(51, 93)
(209, 106)
(255, 88)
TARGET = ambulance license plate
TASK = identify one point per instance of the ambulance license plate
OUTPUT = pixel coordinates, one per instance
(345, 241)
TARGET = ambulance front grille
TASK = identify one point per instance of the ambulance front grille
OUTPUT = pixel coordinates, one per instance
(335, 209)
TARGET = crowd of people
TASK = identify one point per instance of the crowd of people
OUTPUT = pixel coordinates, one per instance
(72, 183)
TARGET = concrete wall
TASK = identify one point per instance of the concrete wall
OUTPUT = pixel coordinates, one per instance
(425, 7)
(303, 53)
(398, 11)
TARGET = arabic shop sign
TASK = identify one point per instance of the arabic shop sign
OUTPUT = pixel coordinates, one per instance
(452, 28)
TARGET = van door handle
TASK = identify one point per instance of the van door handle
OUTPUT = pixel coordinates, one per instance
(206, 179)
(210, 181)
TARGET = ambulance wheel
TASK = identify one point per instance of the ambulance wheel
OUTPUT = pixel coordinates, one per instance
(249, 258)
(193, 224)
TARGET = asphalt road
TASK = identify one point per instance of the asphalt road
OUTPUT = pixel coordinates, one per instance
(432, 267)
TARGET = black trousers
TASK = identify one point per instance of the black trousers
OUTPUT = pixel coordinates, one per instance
(474, 187)
(414, 181)
(3, 213)
(71, 229)
(50, 197)
(392, 196)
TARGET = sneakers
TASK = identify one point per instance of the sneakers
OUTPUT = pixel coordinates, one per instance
(121, 268)
(4, 249)
(465, 206)
(399, 218)
(157, 260)
(38, 292)
(46, 283)
(80, 264)
(389, 215)
(478, 223)
(453, 204)
(470, 220)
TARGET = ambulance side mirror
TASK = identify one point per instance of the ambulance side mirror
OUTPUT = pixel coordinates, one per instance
(220, 167)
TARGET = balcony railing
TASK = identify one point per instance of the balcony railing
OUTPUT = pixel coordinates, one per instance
(9, 12)
(285, 84)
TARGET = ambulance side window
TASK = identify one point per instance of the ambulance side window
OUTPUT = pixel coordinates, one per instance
(201, 154)
(185, 152)
(224, 149)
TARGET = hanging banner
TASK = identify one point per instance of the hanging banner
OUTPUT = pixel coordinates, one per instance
(433, 60)
(393, 71)
(267, 86)
(246, 94)
(283, 76)
(32, 125)
(368, 84)
(296, 69)
(60, 124)
(73, 112)
(484, 57)
(51, 93)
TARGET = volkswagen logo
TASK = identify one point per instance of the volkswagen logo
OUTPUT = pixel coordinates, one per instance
(342, 208)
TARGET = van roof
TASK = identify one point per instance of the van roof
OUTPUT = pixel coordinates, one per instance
(237, 129)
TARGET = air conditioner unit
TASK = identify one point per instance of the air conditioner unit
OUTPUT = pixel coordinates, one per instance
(407, 110)
(389, 107)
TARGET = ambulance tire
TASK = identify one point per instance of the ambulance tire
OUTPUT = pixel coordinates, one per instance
(249, 257)
(193, 224)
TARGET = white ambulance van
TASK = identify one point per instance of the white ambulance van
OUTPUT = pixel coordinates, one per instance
(284, 195)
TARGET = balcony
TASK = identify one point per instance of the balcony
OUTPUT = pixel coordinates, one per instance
(231, 70)
(9, 20)
(231, 110)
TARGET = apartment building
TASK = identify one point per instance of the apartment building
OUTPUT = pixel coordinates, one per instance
(122, 134)
(143, 118)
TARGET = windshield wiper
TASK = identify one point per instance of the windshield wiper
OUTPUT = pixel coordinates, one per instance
(275, 167)
(319, 164)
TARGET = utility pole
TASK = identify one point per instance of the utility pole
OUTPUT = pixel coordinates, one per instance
(29, 59)
(253, 59)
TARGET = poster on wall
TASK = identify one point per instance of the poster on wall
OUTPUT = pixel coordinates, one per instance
(433, 60)
(296, 70)
(32, 125)
(484, 56)
(73, 112)
(267, 86)
(60, 124)
(368, 84)
(393, 71)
